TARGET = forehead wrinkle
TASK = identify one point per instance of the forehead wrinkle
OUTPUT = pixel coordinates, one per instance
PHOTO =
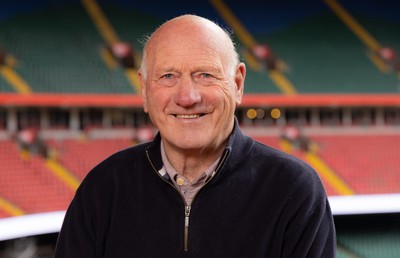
(204, 58)
(201, 29)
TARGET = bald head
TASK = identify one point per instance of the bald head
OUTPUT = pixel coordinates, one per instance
(189, 30)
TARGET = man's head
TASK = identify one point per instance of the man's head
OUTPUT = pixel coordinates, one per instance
(191, 82)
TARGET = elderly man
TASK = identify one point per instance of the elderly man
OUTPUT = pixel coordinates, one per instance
(201, 188)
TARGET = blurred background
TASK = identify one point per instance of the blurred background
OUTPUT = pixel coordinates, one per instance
(323, 84)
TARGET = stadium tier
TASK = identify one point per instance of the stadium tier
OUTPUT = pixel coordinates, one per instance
(61, 47)
(27, 185)
(80, 156)
(4, 86)
(368, 164)
(368, 236)
(59, 50)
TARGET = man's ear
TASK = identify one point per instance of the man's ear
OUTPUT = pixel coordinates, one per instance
(142, 82)
(240, 76)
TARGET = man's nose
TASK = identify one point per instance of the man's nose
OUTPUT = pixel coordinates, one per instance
(187, 93)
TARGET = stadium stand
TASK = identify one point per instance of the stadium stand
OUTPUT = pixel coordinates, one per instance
(368, 236)
(4, 87)
(75, 63)
(334, 52)
(80, 156)
(369, 163)
(28, 184)
(3, 214)
(299, 39)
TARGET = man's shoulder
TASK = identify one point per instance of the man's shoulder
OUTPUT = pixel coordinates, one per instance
(282, 162)
(127, 154)
(272, 153)
(286, 170)
(248, 150)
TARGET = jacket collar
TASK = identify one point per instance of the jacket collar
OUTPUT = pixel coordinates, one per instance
(237, 148)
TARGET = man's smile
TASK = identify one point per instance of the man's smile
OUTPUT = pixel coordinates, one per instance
(188, 116)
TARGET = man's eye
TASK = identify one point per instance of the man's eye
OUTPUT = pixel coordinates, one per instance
(167, 76)
(205, 79)
(167, 79)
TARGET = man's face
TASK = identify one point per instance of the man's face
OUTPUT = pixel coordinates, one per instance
(191, 92)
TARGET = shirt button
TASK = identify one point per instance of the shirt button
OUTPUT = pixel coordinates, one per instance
(180, 181)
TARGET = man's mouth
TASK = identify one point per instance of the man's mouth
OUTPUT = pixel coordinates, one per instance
(190, 116)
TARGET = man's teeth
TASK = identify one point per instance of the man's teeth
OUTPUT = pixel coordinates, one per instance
(188, 116)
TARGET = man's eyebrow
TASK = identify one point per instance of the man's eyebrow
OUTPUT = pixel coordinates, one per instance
(160, 70)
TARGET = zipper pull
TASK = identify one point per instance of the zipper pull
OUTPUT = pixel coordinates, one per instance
(187, 214)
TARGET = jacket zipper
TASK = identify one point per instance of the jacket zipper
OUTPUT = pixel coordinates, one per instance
(187, 207)
(186, 236)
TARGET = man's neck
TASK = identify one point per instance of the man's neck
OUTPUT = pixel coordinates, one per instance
(191, 163)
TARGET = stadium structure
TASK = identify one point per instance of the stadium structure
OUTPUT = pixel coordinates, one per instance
(323, 84)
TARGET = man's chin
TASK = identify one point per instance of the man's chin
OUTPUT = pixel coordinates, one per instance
(190, 141)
